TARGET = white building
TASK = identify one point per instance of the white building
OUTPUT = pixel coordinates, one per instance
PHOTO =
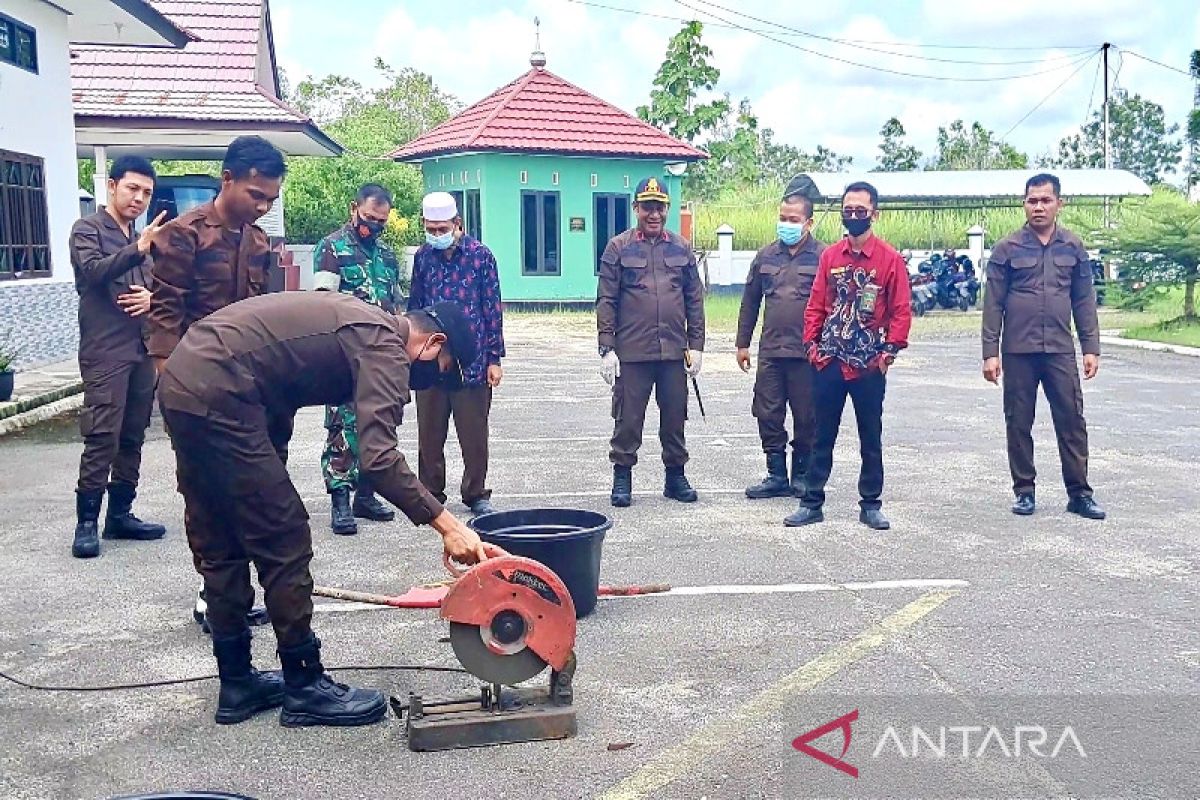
(39, 184)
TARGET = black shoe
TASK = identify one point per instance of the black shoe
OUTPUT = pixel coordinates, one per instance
(119, 521)
(874, 518)
(776, 484)
(1024, 505)
(676, 486)
(87, 511)
(622, 487)
(368, 506)
(244, 690)
(804, 516)
(799, 470)
(313, 698)
(481, 506)
(1085, 507)
(341, 518)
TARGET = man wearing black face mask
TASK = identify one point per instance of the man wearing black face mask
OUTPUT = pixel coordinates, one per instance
(354, 260)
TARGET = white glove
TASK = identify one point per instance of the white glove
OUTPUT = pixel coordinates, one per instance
(610, 367)
(697, 357)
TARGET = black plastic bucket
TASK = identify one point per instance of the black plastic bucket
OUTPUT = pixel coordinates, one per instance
(567, 540)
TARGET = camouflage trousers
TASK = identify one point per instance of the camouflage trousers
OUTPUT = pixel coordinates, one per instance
(339, 461)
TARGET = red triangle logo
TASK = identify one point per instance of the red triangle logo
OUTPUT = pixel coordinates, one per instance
(802, 743)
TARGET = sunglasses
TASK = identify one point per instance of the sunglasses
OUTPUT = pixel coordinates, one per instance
(856, 213)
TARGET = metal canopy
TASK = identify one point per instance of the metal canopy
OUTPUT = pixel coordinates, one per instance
(948, 186)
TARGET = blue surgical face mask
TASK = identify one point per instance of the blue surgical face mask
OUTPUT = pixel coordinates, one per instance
(440, 242)
(790, 233)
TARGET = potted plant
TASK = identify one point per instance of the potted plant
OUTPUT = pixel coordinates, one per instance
(8, 354)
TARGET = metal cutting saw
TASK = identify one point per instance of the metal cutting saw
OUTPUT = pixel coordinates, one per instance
(510, 618)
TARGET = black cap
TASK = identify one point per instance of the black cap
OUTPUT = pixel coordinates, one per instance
(651, 189)
(460, 341)
(803, 186)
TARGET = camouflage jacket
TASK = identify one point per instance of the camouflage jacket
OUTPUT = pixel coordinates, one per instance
(343, 262)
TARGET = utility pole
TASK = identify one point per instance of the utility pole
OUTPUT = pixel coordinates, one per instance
(1107, 153)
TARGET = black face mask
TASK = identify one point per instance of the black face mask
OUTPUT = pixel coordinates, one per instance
(367, 229)
(424, 375)
(856, 227)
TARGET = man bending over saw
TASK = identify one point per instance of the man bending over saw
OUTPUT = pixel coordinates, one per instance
(229, 393)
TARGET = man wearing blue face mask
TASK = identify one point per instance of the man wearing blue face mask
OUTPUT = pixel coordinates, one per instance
(456, 268)
(783, 274)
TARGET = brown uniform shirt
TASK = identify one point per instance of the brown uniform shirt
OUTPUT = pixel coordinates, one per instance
(199, 267)
(785, 280)
(107, 263)
(1033, 291)
(285, 351)
(649, 298)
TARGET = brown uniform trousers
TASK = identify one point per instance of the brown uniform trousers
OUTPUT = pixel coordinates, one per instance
(116, 411)
(1033, 293)
(650, 308)
(631, 396)
(470, 407)
(780, 384)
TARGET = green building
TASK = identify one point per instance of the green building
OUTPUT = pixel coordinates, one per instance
(544, 173)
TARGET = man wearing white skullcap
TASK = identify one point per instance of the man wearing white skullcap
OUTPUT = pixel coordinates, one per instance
(454, 267)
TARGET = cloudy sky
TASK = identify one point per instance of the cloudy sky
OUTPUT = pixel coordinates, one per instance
(794, 81)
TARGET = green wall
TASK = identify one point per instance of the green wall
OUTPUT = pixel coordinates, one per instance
(499, 179)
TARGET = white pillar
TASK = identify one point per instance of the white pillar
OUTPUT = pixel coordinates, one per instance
(100, 179)
(975, 248)
(724, 276)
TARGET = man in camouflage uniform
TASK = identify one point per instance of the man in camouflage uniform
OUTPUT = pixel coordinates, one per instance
(354, 260)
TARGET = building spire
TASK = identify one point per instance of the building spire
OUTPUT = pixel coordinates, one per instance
(538, 58)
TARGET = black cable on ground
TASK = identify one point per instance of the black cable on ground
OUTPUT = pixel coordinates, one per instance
(199, 678)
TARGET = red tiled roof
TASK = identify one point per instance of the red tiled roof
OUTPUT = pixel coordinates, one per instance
(540, 112)
(215, 78)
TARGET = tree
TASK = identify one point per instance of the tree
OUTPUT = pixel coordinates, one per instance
(1158, 245)
(976, 148)
(683, 73)
(895, 155)
(369, 124)
(1139, 139)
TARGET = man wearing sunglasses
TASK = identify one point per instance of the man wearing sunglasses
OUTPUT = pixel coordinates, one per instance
(650, 315)
(1038, 280)
(234, 375)
(856, 321)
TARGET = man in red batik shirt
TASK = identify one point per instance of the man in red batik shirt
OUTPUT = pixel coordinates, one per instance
(856, 321)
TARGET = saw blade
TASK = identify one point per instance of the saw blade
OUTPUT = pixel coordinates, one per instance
(477, 659)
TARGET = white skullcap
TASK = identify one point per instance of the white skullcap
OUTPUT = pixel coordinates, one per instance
(439, 207)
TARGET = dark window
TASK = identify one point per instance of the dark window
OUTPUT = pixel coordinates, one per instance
(18, 44)
(612, 217)
(471, 212)
(539, 233)
(24, 223)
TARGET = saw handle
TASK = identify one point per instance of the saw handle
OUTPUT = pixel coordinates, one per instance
(453, 567)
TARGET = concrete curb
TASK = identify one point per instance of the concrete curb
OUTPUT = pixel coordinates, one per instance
(51, 404)
(1142, 344)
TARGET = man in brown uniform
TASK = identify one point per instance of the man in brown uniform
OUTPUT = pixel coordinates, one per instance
(111, 277)
(650, 315)
(215, 255)
(236, 371)
(1038, 279)
(783, 272)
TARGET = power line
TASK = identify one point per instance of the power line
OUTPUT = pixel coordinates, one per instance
(1092, 96)
(864, 45)
(877, 68)
(1159, 63)
(1053, 92)
(650, 14)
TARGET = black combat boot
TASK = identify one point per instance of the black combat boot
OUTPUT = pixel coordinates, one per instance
(368, 506)
(313, 698)
(799, 470)
(244, 690)
(676, 486)
(341, 518)
(119, 521)
(87, 511)
(622, 488)
(776, 483)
